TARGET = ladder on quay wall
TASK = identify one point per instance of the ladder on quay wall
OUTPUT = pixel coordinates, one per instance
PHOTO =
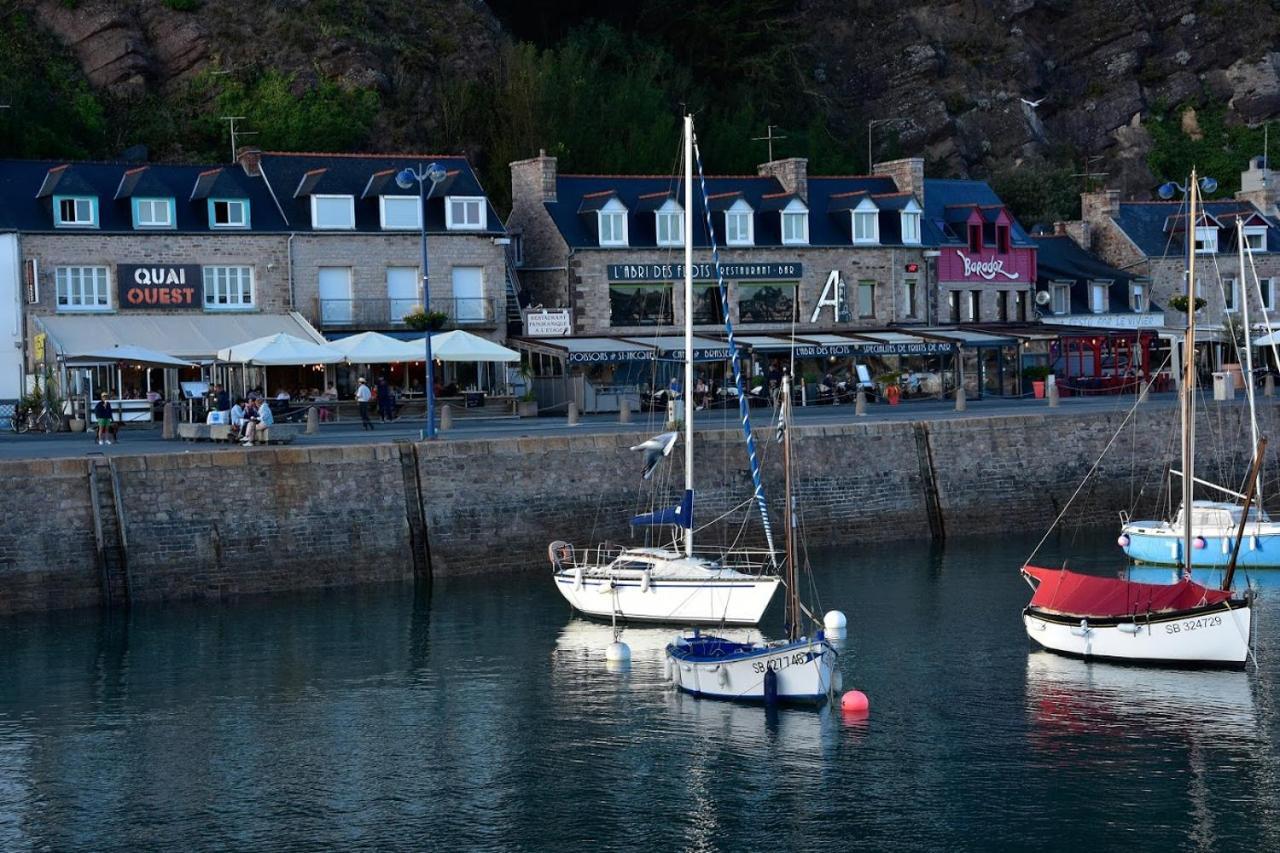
(109, 532)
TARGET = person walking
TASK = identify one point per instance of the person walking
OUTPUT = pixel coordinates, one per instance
(386, 402)
(102, 414)
(363, 394)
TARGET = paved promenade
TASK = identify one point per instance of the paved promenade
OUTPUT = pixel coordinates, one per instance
(147, 439)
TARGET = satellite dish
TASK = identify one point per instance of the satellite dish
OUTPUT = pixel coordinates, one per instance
(1043, 297)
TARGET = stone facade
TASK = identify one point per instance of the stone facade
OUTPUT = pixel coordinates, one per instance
(332, 516)
(543, 249)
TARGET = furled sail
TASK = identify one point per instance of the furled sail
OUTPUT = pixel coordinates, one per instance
(681, 515)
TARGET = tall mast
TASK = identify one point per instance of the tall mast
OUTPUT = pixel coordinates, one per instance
(1248, 344)
(1189, 384)
(688, 320)
(793, 599)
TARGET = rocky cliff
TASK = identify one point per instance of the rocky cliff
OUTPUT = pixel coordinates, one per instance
(974, 85)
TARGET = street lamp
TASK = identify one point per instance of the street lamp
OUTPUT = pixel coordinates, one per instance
(404, 180)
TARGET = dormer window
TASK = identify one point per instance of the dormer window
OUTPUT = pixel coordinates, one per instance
(975, 238)
(75, 211)
(1002, 238)
(400, 212)
(612, 222)
(866, 223)
(669, 224)
(911, 225)
(1206, 240)
(795, 224)
(464, 213)
(228, 213)
(152, 213)
(1138, 297)
(1097, 297)
(333, 212)
(739, 227)
(1255, 238)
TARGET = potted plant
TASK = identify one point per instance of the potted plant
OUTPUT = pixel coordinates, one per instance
(1036, 374)
(527, 405)
(1180, 302)
(416, 319)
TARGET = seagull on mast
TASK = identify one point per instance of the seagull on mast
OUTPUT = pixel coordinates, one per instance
(655, 449)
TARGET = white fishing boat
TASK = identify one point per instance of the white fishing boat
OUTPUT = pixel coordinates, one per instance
(1214, 523)
(1115, 618)
(676, 584)
(799, 669)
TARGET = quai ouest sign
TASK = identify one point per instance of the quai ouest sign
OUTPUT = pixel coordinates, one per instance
(166, 287)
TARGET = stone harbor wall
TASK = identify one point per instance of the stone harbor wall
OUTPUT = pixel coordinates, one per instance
(216, 524)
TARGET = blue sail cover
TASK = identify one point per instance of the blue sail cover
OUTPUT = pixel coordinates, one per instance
(680, 515)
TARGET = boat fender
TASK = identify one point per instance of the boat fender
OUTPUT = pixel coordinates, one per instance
(1129, 627)
(1083, 630)
(1253, 542)
(577, 578)
(606, 587)
(723, 677)
(1198, 543)
(667, 669)
(1123, 541)
(837, 681)
(644, 580)
(771, 687)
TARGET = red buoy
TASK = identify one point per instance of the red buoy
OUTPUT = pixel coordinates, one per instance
(854, 702)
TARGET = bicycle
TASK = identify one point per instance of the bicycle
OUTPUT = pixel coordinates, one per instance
(27, 419)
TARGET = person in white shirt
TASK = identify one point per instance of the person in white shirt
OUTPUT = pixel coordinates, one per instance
(263, 421)
(363, 396)
(237, 415)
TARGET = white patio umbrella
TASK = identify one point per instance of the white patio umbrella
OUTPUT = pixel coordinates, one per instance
(376, 348)
(1267, 340)
(280, 350)
(464, 346)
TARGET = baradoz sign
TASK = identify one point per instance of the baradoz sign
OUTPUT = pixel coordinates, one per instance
(159, 288)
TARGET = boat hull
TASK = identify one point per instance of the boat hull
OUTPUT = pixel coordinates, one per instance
(1214, 636)
(737, 601)
(1162, 546)
(804, 672)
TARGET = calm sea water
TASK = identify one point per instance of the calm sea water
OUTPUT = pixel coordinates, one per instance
(483, 717)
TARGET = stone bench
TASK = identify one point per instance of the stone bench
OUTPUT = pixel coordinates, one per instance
(204, 432)
(280, 433)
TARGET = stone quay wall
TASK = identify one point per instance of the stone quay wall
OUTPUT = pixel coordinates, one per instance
(213, 525)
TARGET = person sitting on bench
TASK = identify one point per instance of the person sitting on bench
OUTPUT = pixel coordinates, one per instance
(253, 426)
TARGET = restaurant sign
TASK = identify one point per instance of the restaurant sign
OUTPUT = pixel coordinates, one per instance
(168, 287)
(705, 272)
(610, 356)
(1018, 265)
(548, 323)
(853, 348)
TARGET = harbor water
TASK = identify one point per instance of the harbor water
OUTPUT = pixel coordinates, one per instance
(483, 717)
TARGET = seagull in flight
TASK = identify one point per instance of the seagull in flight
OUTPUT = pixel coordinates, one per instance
(655, 449)
(1033, 104)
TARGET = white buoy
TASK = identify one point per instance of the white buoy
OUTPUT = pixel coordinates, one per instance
(618, 652)
(834, 621)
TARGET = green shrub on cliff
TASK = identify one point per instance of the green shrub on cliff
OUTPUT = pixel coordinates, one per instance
(1222, 151)
(292, 117)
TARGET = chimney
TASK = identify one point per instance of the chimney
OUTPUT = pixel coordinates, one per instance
(1076, 229)
(792, 173)
(1258, 186)
(534, 180)
(1096, 206)
(250, 159)
(907, 174)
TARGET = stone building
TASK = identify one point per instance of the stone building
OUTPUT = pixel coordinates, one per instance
(187, 259)
(1149, 239)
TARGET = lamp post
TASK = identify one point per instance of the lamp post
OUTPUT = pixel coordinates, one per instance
(405, 179)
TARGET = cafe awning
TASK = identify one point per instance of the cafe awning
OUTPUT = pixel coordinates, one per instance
(671, 347)
(459, 345)
(192, 337)
(376, 348)
(587, 350)
(124, 354)
(279, 350)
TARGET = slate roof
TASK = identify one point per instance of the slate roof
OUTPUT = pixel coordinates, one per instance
(190, 185)
(1144, 222)
(827, 227)
(1060, 258)
(940, 194)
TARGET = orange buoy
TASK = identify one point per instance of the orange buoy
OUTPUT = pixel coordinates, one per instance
(854, 702)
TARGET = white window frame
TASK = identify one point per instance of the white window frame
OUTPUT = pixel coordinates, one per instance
(350, 208)
(663, 219)
(1138, 299)
(218, 277)
(65, 277)
(795, 212)
(1206, 240)
(975, 305)
(1098, 297)
(395, 201)
(1061, 298)
(1268, 288)
(76, 200)
(734, 218)
(467, 203)
(140, 203)
(866, 212)
(910, 295)
(863, 286)
(614, 213)
(911, 232)
(1230, 295)
(239, 204)
(1255, 234)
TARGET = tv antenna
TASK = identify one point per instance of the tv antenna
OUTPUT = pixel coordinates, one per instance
(768, 137)
(235, 134)
(1086, 177)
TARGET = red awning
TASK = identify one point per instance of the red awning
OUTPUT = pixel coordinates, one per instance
(1074, 594)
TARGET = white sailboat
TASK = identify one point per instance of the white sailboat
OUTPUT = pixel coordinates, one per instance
(1184, 623)
(798, 669)
(675, 584)
(1214, 523)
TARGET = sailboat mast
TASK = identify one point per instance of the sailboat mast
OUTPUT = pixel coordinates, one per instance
(1248, 343)
(1189, 384)
(793, 600)
(688, 320)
